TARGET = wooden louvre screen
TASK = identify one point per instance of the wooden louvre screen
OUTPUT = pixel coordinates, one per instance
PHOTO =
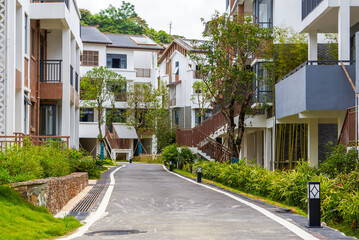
(89, 58)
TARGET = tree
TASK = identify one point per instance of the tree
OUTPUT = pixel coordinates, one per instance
(123, 20)
(99, 88)
(164, 131)
(202, 97)
(233, 42)
(142, 103)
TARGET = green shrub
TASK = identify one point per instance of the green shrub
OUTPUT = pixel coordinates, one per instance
(338, 160)
(89, 165)
(170, 154)
(185, 156)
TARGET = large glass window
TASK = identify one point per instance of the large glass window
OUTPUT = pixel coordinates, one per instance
(48, 120)
(116, 116)
(87, 115)
(263, 13)
(176, 117)
(263, 90)
(199, 119)
(117, 61)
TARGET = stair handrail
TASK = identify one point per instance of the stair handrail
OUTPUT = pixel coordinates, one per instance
(343, 130)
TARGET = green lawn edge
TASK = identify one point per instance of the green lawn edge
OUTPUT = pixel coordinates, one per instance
(22, 220)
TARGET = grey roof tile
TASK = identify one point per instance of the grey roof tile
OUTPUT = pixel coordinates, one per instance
(93, 35)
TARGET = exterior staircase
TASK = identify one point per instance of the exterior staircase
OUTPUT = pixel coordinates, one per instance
(115, 143)
(347, 134)
(202, 137)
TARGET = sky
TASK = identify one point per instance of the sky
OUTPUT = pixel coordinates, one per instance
(185, 15)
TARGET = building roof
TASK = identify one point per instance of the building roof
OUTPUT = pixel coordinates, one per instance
(132, 41)
(191, 44)
(93, 35)
(187, 45)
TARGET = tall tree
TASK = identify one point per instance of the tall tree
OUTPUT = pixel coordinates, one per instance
(99, 88)
(141, 105)
(202, 97)
(233, 42)
(164, 131)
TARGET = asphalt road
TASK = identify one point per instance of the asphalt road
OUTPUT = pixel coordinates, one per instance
(160, 205)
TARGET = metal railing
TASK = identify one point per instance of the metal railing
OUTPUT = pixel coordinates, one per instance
(143, 72)
(307, 63)
(308, 6)
(76, 82)
(51, 1)
(50, 70)
(71, 75)
(19, 140)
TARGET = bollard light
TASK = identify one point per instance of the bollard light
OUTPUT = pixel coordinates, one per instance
(130, 160)
(171, 166)
(314, 204)
(199, 174)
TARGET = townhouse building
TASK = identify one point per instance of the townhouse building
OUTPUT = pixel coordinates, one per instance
(178, 71)
(135, 58)
(260, 135)
(40, 54)
(319, 93)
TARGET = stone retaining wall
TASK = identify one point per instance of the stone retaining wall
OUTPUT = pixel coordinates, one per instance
(52, 193)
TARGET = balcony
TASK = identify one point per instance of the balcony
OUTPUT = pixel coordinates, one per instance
(143, 73)
(51, 1)
(314, 85)
(308, 6)
(50, 71)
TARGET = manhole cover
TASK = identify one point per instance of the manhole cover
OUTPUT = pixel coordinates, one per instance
(114, 232)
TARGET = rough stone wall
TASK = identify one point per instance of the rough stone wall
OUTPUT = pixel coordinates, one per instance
(52, 193)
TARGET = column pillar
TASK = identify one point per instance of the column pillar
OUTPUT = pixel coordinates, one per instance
(313, 46)
(65, 65)
(344, 30)
(259, 148)
(267, 148)
(313, 141)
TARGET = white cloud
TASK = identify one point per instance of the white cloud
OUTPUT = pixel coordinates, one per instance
(185, 15)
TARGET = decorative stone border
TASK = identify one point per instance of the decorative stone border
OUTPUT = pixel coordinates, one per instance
(52, 193)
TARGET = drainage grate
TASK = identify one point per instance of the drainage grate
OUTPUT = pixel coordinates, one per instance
(114, 232)
(86, 204)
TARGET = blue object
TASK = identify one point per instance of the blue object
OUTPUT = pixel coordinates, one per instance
(139, 148)
(234, 160)
(102, 151)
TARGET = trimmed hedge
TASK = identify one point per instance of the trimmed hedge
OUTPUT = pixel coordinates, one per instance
(339, 196)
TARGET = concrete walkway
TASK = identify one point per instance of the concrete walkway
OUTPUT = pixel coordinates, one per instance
(156, 204)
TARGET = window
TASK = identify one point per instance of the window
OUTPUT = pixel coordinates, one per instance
(176, 71)
(26, 34)
(176, 117)
(263, 91)
(116, 116)
(199, 119)
(33, 42)
(89, 58)
(263, 12)
(87, 115)
(117, 61)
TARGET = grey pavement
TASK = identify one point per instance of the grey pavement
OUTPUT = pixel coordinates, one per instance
(155, 204)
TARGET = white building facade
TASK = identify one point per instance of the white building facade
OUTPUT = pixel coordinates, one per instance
(135, 58)
(40, 55)
(178, 71)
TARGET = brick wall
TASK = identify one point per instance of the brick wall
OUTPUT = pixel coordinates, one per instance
(52, 193)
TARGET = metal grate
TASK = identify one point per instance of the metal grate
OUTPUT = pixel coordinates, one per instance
(89, 200)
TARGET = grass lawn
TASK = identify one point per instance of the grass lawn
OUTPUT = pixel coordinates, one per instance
(21, 220)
